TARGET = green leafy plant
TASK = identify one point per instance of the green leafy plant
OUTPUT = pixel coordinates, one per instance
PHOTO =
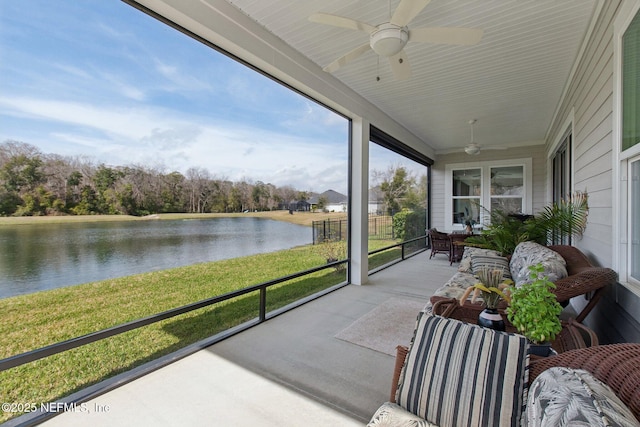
(565, 218)
(492, 287)
(503, 233)
(506, 230)
(400, 223)
(534, 309)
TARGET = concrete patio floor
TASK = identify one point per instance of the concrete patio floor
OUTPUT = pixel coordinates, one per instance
(288, 371)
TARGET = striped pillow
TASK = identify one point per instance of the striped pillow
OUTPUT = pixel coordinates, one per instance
(479, 262)
(457, 374)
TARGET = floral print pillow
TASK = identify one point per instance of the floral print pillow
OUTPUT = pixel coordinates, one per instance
(532, 253)
(456, 286)
(573, 397)
(390, 414)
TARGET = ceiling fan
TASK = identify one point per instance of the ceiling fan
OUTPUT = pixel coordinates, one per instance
(389, 38)
(472, 149)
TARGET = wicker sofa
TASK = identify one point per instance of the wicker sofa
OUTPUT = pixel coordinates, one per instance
(457, 373)
(569, 269)
(617, 366)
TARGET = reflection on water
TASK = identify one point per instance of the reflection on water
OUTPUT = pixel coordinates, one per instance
(46, 256)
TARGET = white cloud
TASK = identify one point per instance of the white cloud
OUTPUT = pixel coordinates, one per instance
(120, 85)
(74, 71)
(180, 80)
(154, 135)
(124, 123)
(117, 86)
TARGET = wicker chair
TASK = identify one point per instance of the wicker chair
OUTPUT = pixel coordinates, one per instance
(583, 279)
(440, 243)
(617, 365)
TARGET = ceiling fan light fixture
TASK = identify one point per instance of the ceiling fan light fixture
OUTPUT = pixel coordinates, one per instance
(388, 39)
(472, 149)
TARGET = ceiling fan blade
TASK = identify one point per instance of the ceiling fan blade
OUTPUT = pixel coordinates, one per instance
(350, 56)
(446, 35)
(407, 10)
(341, 21)
(400, 65)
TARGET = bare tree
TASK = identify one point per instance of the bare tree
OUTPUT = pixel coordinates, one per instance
(198, 185)
(396, 183)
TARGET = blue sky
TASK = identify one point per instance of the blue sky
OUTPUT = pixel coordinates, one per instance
(97, 78)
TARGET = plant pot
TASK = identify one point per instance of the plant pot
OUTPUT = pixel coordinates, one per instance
(492, 319)
(542, 350)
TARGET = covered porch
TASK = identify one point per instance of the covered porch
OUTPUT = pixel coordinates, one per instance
(293, 370)
(544, 84)
(289, 371)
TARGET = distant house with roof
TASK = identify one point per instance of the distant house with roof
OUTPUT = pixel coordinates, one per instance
(376, 201)
(332, 200)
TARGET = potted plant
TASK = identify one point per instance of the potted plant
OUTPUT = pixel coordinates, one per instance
(534, 311)
(469, 226)
(506, 230)
(493, 288)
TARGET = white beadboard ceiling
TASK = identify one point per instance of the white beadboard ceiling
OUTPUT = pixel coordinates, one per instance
(511, 82)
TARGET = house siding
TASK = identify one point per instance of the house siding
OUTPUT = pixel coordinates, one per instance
(590, 95)
(589, 100)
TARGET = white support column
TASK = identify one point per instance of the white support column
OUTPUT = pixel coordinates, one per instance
(359, 201)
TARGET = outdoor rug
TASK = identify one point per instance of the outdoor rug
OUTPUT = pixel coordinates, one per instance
(385, 327)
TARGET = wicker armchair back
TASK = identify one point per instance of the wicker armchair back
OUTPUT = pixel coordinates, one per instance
(440, 243)
(583, 278)
(617, 365)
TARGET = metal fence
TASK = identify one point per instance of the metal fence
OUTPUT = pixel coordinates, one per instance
(329, 230)
(380, 227)
(408, 249)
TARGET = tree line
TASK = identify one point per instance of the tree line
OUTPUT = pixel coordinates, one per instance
(34, 183)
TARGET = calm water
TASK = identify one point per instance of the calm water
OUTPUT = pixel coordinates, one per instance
(47, 256)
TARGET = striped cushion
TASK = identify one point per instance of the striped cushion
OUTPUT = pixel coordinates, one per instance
(465, 262)
(457, 374)
(479, 262)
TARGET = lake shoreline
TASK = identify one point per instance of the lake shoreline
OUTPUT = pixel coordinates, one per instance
(300, 218)
(65, 313)
(46, 255)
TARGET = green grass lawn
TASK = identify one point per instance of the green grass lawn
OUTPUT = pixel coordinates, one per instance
(36, 320)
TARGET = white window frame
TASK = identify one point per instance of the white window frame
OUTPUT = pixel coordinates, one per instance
(485, 196)
(622, 159)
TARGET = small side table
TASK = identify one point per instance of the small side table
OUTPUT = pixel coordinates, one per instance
(573, 335)
(457, 246)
